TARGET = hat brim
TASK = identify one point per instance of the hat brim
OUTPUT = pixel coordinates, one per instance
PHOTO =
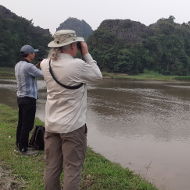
(52, 44)
(36, 50)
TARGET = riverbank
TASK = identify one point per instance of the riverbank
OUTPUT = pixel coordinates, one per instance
(8, 73)
(147, 75)
(98, 172)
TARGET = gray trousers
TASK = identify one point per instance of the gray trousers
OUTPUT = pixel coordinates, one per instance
(64, 152)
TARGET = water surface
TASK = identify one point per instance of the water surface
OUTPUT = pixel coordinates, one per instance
(143, 125)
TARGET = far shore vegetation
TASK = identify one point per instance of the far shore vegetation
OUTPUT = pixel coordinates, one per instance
(118, 45)
(8, 73)
(147, 75)
(98, 173)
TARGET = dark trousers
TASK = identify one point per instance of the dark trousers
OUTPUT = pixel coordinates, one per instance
(26, 116)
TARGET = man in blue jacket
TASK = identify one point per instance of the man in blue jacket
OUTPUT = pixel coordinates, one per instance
(26, 74)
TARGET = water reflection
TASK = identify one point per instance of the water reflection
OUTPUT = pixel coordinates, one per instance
(143, 125)
(142, 109)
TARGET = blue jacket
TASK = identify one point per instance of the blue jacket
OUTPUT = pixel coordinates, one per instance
(26, 74)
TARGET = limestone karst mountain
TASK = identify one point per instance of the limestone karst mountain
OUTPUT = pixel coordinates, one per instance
(80, 26)
(16, 31)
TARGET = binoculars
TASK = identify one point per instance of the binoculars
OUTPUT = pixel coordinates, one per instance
(79, 46)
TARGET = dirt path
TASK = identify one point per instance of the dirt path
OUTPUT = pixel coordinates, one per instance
(8, 181)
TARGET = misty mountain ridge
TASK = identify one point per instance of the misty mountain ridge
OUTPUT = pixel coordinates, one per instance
(118, 45)
(125, 29)
(130, 47)
(17, 31)
(81, 27)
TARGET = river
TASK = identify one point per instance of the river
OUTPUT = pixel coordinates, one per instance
(142, 125)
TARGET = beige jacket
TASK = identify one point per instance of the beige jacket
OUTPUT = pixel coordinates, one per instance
(65, 109)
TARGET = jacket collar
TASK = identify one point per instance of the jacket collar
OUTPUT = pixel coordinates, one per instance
(25, 60)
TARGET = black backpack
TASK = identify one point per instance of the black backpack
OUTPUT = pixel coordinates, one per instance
(37, 138)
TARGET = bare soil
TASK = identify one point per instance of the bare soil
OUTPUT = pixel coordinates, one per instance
(8, 181)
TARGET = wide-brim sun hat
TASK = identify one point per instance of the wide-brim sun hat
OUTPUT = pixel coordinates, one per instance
(63, 38)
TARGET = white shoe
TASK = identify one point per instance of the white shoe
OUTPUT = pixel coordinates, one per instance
(30, 152)
(31, 148)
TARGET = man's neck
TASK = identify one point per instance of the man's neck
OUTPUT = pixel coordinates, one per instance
(27, 60)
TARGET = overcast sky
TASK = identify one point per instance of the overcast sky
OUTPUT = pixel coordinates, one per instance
(49, 14)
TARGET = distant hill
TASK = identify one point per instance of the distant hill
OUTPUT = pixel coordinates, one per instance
(16, 31)
(123, 46)
(82, 28)
(130, 47)
(127, 30)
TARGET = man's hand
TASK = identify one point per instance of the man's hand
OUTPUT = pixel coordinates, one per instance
(84, 48)
(38, 65)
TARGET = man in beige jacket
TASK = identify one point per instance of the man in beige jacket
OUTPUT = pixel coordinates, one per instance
(66, 79)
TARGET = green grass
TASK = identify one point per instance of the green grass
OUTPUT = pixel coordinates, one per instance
(147, 75)
(7, 73)
(183, 78)
(98, 172)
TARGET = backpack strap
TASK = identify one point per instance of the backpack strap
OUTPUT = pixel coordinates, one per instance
(61, 84)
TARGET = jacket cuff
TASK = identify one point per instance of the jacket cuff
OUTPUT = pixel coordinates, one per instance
(88, 57)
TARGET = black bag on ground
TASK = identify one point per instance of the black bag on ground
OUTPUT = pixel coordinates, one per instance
(37, 138)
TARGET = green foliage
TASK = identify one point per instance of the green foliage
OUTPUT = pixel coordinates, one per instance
(183, 78)
(146, 75)
(163, 47)
(17, 31)
(119, 46)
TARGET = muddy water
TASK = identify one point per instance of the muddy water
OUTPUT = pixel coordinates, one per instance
(141, 125)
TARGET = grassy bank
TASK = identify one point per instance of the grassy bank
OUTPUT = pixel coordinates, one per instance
(147, 75)
(98, 172)
(7, 73)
